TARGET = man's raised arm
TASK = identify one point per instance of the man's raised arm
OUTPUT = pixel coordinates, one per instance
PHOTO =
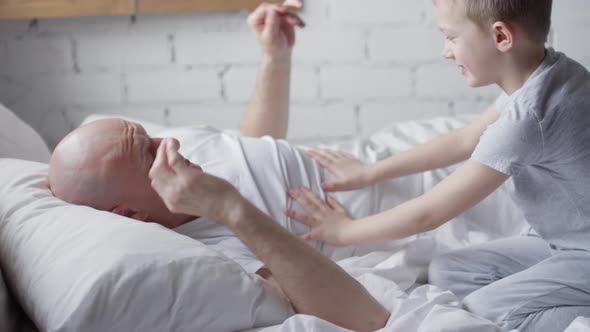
(268, 110)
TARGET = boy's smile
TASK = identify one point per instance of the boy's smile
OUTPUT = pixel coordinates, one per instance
(470, 47)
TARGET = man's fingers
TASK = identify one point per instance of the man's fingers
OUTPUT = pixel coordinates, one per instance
(258, 17)
(294, 4)
(176, 161)
(272, 25)
(293, 19)
(263, 18)
(160, 165)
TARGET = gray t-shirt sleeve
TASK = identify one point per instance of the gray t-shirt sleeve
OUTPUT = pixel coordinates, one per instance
(513, 141)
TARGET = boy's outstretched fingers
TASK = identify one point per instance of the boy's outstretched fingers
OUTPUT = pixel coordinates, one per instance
(303, 218)
(334, 204)
(332, 186)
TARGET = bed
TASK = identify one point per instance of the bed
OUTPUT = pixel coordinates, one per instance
(76, 269)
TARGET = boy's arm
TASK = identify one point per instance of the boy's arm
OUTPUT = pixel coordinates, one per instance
(466, 187)
(442, 151)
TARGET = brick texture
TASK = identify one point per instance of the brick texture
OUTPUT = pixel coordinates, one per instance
(363, 63)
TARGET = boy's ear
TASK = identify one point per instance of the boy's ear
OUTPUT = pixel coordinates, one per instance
(503, 36)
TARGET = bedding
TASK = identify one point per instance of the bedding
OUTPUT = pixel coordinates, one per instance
(12, 317)
(19, 140)
(580, 324)
(99, 271)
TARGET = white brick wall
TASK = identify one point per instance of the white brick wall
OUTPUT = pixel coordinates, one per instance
(126, 49)
(375, 115)
(216, 48)
(365, 63)
(362, 82)
(343, 45)
(173, 85)
(37, 55)
(86, 88)
(399, 45)
(375, 12)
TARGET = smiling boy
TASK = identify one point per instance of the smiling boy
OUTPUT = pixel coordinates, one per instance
(537, 133)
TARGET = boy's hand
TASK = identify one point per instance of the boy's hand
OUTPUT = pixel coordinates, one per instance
(350, 173)
(186, 189)
(328, 221)
(274, 26)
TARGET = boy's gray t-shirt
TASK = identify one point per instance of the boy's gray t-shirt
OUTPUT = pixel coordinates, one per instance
(542, 139)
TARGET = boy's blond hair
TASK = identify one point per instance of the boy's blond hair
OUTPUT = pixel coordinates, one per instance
(534, 16)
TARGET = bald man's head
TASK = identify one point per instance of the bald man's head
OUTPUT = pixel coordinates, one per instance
(105, 165)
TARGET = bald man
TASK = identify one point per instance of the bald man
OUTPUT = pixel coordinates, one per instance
(233, 185)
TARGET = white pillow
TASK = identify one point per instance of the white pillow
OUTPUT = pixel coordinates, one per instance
(19, 140)
(77, 269)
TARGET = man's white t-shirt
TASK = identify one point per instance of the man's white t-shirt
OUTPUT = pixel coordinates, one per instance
(262, 169)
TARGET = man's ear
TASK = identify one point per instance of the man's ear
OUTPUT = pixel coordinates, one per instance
(503, 36)
(130, 213)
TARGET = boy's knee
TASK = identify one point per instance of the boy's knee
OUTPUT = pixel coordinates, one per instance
(477, 303)
(442, 271)
(489, 304)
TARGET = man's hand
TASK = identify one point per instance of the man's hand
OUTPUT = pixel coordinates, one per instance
(350, 173)
(186, 189)
(293, 5)
(274, 26)
(328, 221)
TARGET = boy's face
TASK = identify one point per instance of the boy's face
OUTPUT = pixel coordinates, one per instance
(472, 49)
